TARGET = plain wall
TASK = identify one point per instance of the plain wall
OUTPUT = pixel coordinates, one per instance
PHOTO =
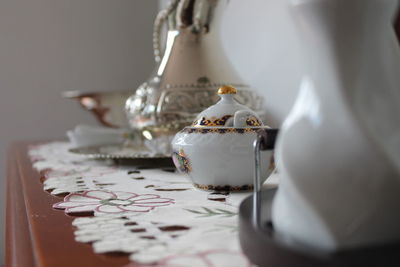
(261, 40)
(48, 46)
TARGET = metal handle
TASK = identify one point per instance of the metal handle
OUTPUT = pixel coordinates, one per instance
(158, 23)
(181, 14)
(265, 141)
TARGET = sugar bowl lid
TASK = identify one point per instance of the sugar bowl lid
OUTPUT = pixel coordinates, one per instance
(227, 112)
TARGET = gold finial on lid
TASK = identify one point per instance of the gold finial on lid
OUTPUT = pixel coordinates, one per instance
(227, 90)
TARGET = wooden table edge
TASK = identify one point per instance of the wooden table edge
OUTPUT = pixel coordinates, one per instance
(46, 247)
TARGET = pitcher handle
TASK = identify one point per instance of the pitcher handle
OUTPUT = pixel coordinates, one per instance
(265, 140)
(158, 23)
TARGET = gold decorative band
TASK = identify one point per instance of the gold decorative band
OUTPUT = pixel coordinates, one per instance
(213, 121)
(224, 187)
(220, 130)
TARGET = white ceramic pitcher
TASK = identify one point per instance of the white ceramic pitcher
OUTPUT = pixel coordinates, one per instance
(339, 149)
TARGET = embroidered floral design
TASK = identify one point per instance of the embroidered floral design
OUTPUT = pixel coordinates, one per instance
(100, 201)
(170, 236)
(181, 161)
(80, 171)
(207, 212)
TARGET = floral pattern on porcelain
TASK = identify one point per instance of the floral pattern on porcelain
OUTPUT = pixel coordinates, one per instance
(221, 130)
(213, 121)
(100, 201)
(253, 122)
(182, 162)
(223, 112)
(221, 156)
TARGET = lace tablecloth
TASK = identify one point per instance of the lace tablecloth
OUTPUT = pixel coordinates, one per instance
(155, 215)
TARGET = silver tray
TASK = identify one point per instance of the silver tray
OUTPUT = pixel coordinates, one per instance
(124, 154)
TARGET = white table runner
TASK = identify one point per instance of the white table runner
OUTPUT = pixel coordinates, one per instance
(155, 215)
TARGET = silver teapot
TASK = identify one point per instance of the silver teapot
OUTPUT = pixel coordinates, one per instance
(192, 65)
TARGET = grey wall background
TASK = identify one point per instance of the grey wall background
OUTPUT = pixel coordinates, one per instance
(47, 46)
(261, 40)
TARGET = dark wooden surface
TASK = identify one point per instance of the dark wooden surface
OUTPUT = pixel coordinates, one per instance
(36, 234)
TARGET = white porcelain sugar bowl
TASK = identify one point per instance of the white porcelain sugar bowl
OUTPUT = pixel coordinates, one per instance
(216, 151)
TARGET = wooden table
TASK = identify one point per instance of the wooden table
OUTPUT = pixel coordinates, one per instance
(36, 234)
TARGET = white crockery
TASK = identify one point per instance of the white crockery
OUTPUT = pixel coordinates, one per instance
(217, 156)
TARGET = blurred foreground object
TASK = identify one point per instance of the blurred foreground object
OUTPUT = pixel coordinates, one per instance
(338, 153)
